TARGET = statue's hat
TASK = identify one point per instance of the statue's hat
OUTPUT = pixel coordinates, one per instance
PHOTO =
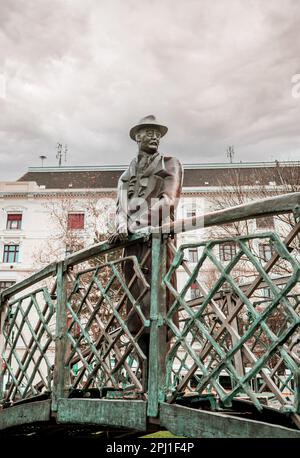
(147, 121)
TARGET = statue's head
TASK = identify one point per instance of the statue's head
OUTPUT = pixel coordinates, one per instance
(147, 133)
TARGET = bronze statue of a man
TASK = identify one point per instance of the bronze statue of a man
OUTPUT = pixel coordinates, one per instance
(148, 193)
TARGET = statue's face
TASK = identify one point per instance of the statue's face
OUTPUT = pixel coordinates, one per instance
(148, 139)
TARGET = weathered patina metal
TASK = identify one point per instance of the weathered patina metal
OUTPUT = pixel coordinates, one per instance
(101, 375)
(148, 194)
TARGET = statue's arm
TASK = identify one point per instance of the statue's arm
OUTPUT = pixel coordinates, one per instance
(121, 232)
(172, 185)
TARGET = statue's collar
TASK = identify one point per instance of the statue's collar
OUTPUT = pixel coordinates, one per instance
(151, 165)
(132, 169)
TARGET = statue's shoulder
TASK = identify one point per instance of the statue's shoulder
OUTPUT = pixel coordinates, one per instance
(171, 161)
(170, 158)
(125, 176)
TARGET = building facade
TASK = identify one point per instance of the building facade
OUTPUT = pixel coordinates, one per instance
(50, 212)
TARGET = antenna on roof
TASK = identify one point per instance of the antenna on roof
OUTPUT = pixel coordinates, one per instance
(59, 153)
(230, 153)
(42, 157)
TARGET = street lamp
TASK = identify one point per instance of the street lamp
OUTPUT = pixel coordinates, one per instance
(42, 159)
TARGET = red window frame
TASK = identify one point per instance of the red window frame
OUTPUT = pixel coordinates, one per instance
(195, 291)
(75, 221)
(14, 219)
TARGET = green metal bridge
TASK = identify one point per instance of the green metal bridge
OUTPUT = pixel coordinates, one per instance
(221, 364)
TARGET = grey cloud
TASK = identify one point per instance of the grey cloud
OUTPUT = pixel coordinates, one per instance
(82, 72)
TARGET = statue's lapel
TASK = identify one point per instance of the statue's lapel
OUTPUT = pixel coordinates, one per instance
(157, 167)
(152, 166)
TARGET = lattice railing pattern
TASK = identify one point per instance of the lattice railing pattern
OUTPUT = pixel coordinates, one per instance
(225, 322)
(102, 351)
(28, 351)
(230, 331)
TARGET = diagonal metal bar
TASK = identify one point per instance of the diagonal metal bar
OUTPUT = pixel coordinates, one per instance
(13, 343)
(100, 359)
(103, 330)
(42, 349)
(36, 329)
(254, 285)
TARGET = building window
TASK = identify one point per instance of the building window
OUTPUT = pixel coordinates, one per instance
(76, 221)
(267, 293)
(5, 284)
(14, 221)
(11, 253)
(267, 222)
(193, 254)
(227, 251)
(195, 291)
(191, 210)
(265, 252)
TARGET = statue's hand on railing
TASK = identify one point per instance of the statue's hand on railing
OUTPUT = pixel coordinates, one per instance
(117, 237)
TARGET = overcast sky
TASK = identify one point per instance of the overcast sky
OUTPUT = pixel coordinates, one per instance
(82, 72)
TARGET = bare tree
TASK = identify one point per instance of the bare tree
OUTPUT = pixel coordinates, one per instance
(98, 213)
(236, 189)
(87, 280)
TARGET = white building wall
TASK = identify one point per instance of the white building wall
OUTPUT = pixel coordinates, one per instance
(36, 228)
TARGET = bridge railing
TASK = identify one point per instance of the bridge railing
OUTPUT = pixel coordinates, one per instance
(224, 325)
(64, 330)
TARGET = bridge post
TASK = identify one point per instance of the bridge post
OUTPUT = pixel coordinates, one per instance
(158, 330)
(60, 378)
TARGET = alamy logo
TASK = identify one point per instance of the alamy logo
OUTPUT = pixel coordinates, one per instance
(296, 86)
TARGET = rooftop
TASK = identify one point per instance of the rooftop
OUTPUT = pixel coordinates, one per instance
(195, 175)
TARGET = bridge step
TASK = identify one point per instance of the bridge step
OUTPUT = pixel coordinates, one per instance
(203, 424)
(114, 412)
(132, 414)
(25, 413)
